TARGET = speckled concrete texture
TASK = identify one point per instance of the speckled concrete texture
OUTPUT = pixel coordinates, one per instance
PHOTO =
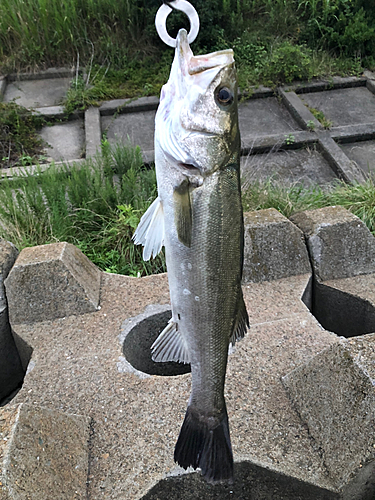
(77, 367)
(51, 281)
(274, 247)
(43, 454)
(339, 243)
(334, 394)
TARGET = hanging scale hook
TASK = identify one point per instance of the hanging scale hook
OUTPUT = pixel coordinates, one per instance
(163, 13)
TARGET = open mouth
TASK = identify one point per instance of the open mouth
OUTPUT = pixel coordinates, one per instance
(189, 168)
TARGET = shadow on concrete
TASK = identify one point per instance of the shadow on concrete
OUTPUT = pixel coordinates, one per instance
(12, 373)
(251, 482)
(339, 312)
(138, 342)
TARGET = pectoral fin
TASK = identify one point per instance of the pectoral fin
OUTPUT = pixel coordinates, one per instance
(150, 230)
(170, 345)
(183, 213)
(241, 324)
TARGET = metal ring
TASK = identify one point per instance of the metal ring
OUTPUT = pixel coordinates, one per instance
(163, 13)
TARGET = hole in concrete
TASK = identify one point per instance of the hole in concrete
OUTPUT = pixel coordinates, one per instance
(339, 312)
(12, 372)
(138, 342)
(251, 482)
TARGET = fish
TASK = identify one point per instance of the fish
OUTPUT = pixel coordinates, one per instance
(198, 218)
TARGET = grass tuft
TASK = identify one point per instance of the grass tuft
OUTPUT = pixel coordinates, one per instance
(95, 205)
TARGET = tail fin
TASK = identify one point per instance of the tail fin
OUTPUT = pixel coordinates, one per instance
(205, 445)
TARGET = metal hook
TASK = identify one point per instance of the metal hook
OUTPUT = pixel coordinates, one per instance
(163, 13)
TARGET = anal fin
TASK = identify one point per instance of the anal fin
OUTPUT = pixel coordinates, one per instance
(150, 230)
(170, 345)
(241, 324)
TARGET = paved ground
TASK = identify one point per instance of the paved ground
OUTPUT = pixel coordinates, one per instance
(281, 138)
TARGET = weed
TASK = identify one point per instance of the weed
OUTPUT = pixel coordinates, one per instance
(319, 115)
(357, 198)
(20, 144)
(95, 205)
(290, 139)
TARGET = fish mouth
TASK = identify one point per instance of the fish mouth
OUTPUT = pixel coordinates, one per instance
(189, 168)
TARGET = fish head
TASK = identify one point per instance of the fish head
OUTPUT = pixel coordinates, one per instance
(197, 119)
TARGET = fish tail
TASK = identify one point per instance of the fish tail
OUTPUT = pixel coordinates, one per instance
(206, 445)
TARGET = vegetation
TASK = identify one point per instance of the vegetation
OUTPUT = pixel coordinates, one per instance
(274, 40)
(357, 198)
(98, 204)
(95, 205)
(19, 141)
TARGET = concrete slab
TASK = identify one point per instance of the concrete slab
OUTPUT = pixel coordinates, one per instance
(93, 134)
(362, 153)
(344, 106)
(304, 166)
(138, 128)
(43, 454)
(37, 93)
(264, 116)
(137, 419)
(274, 247)
(52, 281)
(334, 394)
(65, 141)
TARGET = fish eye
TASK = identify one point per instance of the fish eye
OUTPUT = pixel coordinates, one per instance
(224, 96)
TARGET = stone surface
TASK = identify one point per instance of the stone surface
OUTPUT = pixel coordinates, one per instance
(264, 117)
(64, 141)
(11, 370)
(362, 153)
(92, 132)
(43, 454)
(37, 93)
(274, 247)
(305, 166)
(339, 243)
(134, 128)
(346, 306)
(344, 168)
(343, 106)
(334, 395)
(78, 367)
(52, 281)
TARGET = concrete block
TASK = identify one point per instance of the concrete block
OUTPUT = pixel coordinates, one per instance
(65, 141)
(37, 93)
(334, 395)
(11, 370)
(3, 85)
(52, 281)
(43, 454)
(298, 110)
(339, 243)
(344, 168)
(274, 247)
(92, 131)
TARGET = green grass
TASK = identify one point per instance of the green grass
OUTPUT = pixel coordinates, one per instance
(275, 41)
(96, 206)
(357, 198)
(19, 141)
